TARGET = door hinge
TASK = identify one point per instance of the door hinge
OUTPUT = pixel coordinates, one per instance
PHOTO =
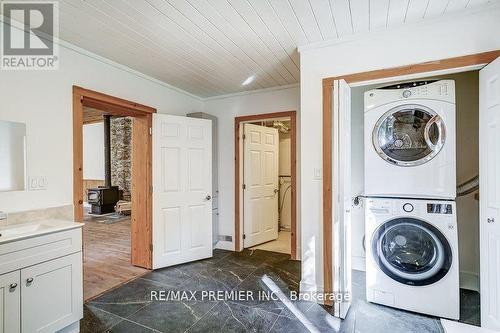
(244, 187)
(150, 131)
(151, 247)
(244, 136)
(244, 236)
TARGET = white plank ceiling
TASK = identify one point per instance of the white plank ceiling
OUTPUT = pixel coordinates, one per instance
(210, 47)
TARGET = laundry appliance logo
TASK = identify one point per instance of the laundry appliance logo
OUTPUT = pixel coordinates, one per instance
(28, 32)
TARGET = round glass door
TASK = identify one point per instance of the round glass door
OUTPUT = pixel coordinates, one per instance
(409, 135)
(411, 251)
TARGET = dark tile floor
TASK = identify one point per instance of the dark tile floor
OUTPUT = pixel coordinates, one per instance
(129, 308)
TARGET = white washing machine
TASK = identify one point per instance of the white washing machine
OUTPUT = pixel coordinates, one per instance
(410, 140)
(412, 255)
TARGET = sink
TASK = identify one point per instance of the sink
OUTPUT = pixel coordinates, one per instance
(15, 232)
(25, 229)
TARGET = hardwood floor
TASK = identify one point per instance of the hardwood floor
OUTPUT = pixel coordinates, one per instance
(106, 255)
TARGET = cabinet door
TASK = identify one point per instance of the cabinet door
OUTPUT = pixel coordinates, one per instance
(10, 302)
(52, 295)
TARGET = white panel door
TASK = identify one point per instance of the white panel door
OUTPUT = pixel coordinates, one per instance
(489, 200)
(10, 302)
(342, 197)
(52, 294)
(260, 179)
(182, 189)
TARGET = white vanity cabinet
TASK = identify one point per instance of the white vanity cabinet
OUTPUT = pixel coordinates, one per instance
(10, 302)
(51, 294)
(41, 283)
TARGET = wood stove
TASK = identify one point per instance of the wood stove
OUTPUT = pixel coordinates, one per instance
(104, 198)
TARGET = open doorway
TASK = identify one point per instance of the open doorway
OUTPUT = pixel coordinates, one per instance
(107, 175)
(112, 181)
(266, 170)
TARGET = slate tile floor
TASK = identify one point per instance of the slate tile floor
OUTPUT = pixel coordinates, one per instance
(129, 308)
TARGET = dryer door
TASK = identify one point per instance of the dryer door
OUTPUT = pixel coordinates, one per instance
(411, 251)
(409, 135)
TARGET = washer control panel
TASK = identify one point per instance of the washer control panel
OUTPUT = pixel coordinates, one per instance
(434, 208)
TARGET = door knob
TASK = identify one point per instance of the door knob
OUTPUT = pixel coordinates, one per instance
(13, 286)
(29, 280)
(490, 220)
(276, 190)
(208, 197)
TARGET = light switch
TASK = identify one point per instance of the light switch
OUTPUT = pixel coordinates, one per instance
(33, 183)
(42, 182)
(37, 183)
(317, 173)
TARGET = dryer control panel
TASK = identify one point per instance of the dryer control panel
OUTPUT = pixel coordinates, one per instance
(441, 90)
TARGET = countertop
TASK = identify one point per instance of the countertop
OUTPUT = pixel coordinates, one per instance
(18, 231)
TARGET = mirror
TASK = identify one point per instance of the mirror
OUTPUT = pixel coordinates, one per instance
(12, 156)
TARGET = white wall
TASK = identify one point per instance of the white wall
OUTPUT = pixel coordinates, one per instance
(93, 151)
(43, 100)
(226, 109)
(433, 40)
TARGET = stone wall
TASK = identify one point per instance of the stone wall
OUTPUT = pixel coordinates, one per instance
(121, 154)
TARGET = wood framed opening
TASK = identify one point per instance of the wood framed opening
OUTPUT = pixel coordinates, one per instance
(141, 176)
(238, 228)
(427, 67)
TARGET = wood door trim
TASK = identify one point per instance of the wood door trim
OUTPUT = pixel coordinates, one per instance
(141, 176)
(327, 192)
(431, 66)
(293, 138)
(111, 100)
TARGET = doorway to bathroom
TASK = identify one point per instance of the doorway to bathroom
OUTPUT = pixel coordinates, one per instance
(266, 182)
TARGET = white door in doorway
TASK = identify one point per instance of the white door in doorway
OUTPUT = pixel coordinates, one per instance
(489, 199)
(260, 184)
(182, 185)
(342, 197)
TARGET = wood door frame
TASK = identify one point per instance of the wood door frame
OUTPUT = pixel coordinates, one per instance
(238, 229)
(426, 67)
(141, 230)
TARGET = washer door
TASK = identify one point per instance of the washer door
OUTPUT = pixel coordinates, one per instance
(409, 135)
(411, 251)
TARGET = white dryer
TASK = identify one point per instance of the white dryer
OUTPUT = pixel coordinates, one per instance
(412, 255)
(409, 140)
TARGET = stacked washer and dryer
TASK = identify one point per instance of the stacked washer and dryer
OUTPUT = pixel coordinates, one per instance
(410, 188)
